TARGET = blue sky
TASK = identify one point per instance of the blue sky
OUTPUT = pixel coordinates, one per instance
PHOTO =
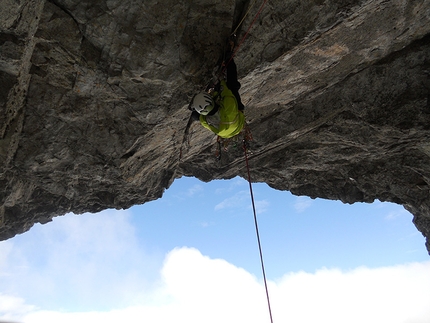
(192, 256)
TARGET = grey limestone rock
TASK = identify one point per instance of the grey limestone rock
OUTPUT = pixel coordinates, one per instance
(94, 96)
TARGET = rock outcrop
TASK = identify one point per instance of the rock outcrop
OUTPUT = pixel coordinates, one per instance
(94, 96)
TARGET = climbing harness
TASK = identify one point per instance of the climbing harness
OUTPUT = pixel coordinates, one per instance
(220, 141)
(223, 144)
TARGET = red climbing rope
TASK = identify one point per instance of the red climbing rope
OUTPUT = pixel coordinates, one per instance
(249, 173)
(247, 32)
(256, 229)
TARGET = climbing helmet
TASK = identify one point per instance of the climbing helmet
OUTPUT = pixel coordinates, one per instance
(202, 103)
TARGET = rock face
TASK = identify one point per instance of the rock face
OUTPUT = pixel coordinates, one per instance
(94, 96)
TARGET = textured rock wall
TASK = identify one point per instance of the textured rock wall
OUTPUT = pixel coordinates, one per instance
(93, 98)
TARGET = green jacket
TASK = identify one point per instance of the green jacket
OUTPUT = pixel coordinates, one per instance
(231, 119)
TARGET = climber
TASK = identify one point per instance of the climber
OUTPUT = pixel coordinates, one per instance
(221, 111)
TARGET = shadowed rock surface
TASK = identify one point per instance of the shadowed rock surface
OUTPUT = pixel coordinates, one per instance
(94, 96)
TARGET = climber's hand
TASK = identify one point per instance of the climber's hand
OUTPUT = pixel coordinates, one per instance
(195, 116)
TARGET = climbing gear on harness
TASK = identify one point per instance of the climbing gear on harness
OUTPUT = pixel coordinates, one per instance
(202, 103)
(221, 68)
(223, 144)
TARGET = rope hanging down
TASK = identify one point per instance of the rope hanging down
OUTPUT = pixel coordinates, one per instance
(247, 31)
(247, 163)
(243, 18)
(257, 231)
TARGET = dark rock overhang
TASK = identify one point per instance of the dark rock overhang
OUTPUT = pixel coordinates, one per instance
(94, 98)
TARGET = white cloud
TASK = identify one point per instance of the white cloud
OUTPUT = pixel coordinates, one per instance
(206, 224)
(238, 200)
(11, 307)
(392, 210)
(360, 295)
(197, 188)
(397, 213)
(189, 191)
(234, 185)
(195, 288)
(302, 203)
(242, 199)
(262, 206)
(91, 261)
(5, 252)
